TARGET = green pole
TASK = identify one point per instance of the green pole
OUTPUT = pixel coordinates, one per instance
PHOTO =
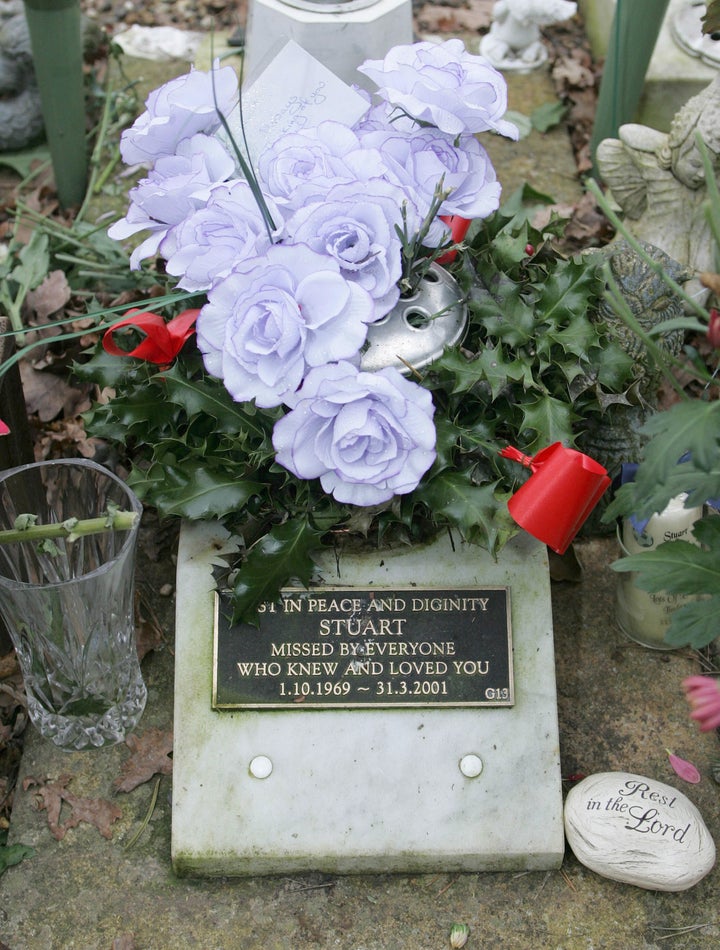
(56, 39)
(634, 32)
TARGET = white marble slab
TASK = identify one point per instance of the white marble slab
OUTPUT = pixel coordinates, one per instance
(356, 790)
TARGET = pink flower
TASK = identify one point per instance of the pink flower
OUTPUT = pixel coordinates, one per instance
(4, 430)
(713, 331)
(703, 694)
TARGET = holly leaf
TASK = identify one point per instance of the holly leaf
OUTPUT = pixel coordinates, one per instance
(196, 492)
(151, 755)
(281, 555)
(551, 420)
(197, 397)
(497, 370)
(476, 510)
(565, 293)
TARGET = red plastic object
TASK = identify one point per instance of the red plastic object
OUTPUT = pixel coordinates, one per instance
(564, 487)
(162, 341)
(458, 229)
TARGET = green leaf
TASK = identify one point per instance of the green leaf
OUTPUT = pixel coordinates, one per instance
(510, 318)
(24, 162)
(196, 492)
(34, 262)
(143, 408)
(548, 115)
(498, 371)
(677, 567)
(694, 624)
(566, 292)
(201, 397)
(14, 854)
(281, 555)
(613, 366)
(476, 510)
(551, 420)
(711, 18)
(691, 426)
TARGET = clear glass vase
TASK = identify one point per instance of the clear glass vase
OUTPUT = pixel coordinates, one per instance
(69, 605)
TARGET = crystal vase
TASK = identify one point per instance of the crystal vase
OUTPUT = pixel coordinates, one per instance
(69, 603)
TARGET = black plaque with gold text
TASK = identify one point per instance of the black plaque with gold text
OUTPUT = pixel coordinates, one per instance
(330, 648)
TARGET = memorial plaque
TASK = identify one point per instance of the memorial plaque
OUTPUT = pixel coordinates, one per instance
(333, 648)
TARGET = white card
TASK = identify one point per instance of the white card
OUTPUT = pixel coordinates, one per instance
(294, 92)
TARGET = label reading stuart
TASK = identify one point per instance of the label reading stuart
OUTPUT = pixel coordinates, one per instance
(359, 647)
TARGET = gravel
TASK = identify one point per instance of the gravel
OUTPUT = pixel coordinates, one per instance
(116, 15)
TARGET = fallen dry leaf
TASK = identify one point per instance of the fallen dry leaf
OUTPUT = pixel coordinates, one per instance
(50, 795)
(151, 755)
(49, 296)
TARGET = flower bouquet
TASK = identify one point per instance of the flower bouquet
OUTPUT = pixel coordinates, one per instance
(250, 400)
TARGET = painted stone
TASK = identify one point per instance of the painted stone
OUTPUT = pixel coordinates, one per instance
(638, 831)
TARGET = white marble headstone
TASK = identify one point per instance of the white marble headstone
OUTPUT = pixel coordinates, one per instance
(370, 790)
(639, 831)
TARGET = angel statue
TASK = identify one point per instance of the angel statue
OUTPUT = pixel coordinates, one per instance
(514, 42)
(658, 180)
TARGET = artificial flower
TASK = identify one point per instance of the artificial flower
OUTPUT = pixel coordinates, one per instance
(300, 167)
(359, 228)
(178, 110)
(225, 231)
(177, 186)
(703, 694)
(366, 436)
(275, 316)
(441, 84)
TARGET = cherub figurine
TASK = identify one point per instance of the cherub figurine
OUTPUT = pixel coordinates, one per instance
(658, 180)
(513, 42)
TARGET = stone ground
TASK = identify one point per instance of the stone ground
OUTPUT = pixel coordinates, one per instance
(620, 707)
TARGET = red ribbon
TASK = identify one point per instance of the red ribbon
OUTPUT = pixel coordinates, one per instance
(458, 229)
(163, 341)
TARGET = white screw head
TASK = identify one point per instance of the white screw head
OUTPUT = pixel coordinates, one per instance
(471, 765)
(261, 766)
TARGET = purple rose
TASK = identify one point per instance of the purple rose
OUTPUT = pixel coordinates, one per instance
(357, 227)
(176, 187)
(366, 436)
(213, 240)
(301, 167)
(443, 85)
(429, 157)
(275, 316)
(178, 110)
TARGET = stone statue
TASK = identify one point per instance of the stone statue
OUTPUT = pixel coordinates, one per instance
(614, 437)
(513, 43)
(658, 180)
(21, 121)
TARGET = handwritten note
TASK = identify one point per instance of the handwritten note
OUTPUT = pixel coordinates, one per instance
(293, 92)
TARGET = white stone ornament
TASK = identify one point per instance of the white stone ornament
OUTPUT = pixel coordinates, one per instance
(638, 831)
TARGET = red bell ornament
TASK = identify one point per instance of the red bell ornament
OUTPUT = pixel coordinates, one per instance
(564, 487)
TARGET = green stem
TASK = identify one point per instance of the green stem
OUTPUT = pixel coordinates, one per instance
(655, 266)
(71, 529)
